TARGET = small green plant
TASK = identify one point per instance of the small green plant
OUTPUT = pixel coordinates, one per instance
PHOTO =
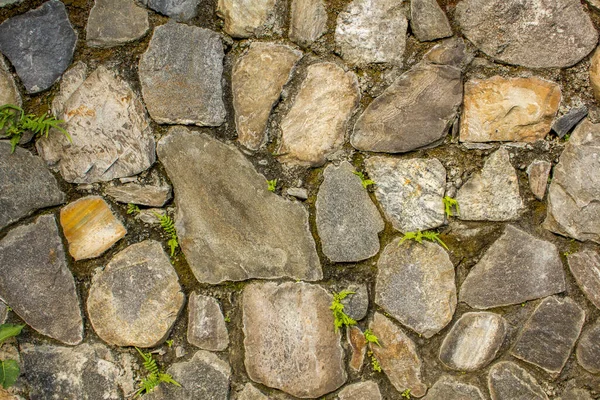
(169, 227)
(371, 338)
(449, 204)
(340, 318)
(364, 180)
(154, 377)
(375, 364)
(567, 137)
(406, 394)
(272, 185)
(132, 209)
(169, 343)
(418, 237)
(9, 369)
(227, 319)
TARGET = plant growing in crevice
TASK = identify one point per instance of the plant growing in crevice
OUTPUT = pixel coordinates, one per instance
(168, 226)
(340, 318)
(374, 362)
(272, 185)
(154, 376)
(366, 182)
(418, 237)
(371, 338)
(449, 205)
(406, 394)
(9, 369)
(133, 209)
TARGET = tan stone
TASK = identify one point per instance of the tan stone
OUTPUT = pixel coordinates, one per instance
(9, 94)
(308, 21)
(243, 17)
(508, 109)
(358, 346)
(538, 172)
(595, 74)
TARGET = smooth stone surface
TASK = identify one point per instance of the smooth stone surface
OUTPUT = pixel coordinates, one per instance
(447, 388)
(115, 22)
(508, 381)
(574, 193)
(315, 125)
(179, 10)
(588, 348)
(473, 341)
(225, 233)
(369, 31)
(549, 335)
(410, 191)
(358, 348)
(39, 44)
(250, 392)
(517, 267)
(397, 356)
(428, 21)
(183, 90)
(366, 390)
(308, 21)
(25, 185)
(538, 173)
(564, 124)
(147, 195)
(136, 298)
(535, 34)
(36, 281)
(257, 80)
(243, 18)
(206, 324)
(356, 305)
(347, 220)
(493, 193)
(9, 93)
(69, 83)
(585, 267)
(289, 338)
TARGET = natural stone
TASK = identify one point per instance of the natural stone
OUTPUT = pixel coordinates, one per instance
(257, 80)
(358, 347)
(3, 312)
(183, 90)
(111, 135)
(308, 21)
(585, 267)
(410, 191)
(39, 44)
(595, 74)
(250, 392)
(367, 390)
(518, 267)
(447, 388)
(179, 10)
(428, 21)
(538, 172)
(370, 31)
(316, 124)
(508, 381)
(508, 109)
(5, 3)
(69, 83)
(90, 227)
(451, 51)
(25, 185)
(564, 124)
(136, 299)
(206, 325)
(533, 34)
(225, 233)
(574, 193)
(147, 195)
(289, 338)
(9, 94)
(588, 349)
(549, 335)
(35, 280)
(493, 193)
(299, 193)
(576, 394)
(115, 22)
(243, 18)
(356, 305)
(347, 220)
(397, 356)
(148, 216)
(473, 341)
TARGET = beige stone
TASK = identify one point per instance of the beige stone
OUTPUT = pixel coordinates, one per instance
(595, 74)
(243, 17)
(538, 172)
(9, 94)
(308, 21)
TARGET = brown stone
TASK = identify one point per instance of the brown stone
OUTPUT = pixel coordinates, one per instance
(243, 18)
(538, 172)
(308, 21)
(358, 347)
(585, 267)
(367, 390)
(595, 74)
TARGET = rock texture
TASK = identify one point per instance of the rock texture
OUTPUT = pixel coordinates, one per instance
(71, 80)
(115, 22)
(447, 388)
(538, 172)
(243, 18)
(428, 21)
(206, 325)
(250, 392)
(230, 226)
(9, 94)
(508, 381)
(308, 21)
(179, 10)
(585, 267)
(595, 74)
(358, 347)
(588, 349)
(567, 122)
(147, 195)
(367, 390)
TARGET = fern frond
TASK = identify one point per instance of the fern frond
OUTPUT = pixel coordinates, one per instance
(449, 204)
(340, 318)
(168, 378)
(168, 226)
(132, 209)
(371, 338)
(154, 377)
(366, 182)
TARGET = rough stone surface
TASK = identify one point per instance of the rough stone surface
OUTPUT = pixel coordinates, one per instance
(493, 193)
(574, 193)
(136, 299)
(517, 267)
(473, 341)
(147, 195)
(111, 135)
(289, 338)
(428, 21)
(508, 109)
(347, 220)
(535, 34)
(69, 83)
(538, 172)
(35, 280)
(369, 31)
(447, 388)
(39, 44)
(250, 392)
(588, 349)
(243, 18)
(397, 356)
(356, 305)
(179, 10)
(3, 312)
(410, 191)
(299, 193)
(9, 94)
(308, 21)
(25, 185)
(257, 80)
(452, 51)
(508, 381)
(564, 124)
(206, 325)
(230, 226)
(315, 125)
(585, 267)
(367, 390)
(595, 74)
(183, 90)
(115, 22)
(576, 394)
(358, 347)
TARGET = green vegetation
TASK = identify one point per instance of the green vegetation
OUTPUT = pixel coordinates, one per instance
(132, 209)
(154, 377)
(9, 369)
(272, 185)
(449, 204)
(364, 180)
(374, 362)
(418, 237)
(169, 343)
(340, 318)
(371, 338)
(169, 227)
(406, 394)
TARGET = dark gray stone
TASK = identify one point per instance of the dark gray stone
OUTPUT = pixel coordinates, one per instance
(206, 325)
(147, 195)
(564, 124)
(585, 267)
(588, 348)
(447, 388)
(115, 22)
(428, 21)
(39, 44)
(356, 305)
(179, 10)
(508, 381)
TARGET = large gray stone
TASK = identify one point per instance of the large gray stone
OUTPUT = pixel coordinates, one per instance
(585, 267)
(366, 390)
(447, 388)
(147, 195)
(179, 10)
(181, 76)
(9, 94)
(115, 22)
(37, 283)
(289, 339)
(508, 381)
(206, 325)
(230, 226)
(243, 18)
(39, 44)
(588, 348)
(308, 21)
(428, 21)
(535, 34)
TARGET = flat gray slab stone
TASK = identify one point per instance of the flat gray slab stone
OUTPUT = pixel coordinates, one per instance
(179, 10)
(447, 388)
(245, 18)
(230, 226)
(308, 21)
(37, 283)
(147, 195)
(508, 381)
(9, 93)
(585, 267)
(428, 21)
(518, 267)
(115, 22)
(588, 348)
(366, 390)
(206, 325)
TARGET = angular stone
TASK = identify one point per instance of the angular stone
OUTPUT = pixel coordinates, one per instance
(36, 282)
(588, 349)
(147, 195)
(370, 31)
(347, 220)
(414, 111)
(493, 193)
(508, 381)
(90, 227)
(308, 21)
(3, 312)
(473, 341)
(550, 334)
(595, 74)
(518, 267)
(148, 216)
(366, 390)
(397, 356)
(451, 51)
(574, 193)
(179, 10)
(316, 123)
(183, 90)
(225, 234)
(289, 338)
(9, 94)
(69, 83)
(25, 185)
(257, 80)
(39, 44)
(535, 34)
(115, 22)
(136, 298)
(564, 124)
(206, 325)
(299, 193)
(243, 18)
(250, 392)
(508, 109)
(356, 305)
(428, 21)
(585, 267)
(410, 191)
(358, 346)
(447, 388)
(538, 172)
(111, 135)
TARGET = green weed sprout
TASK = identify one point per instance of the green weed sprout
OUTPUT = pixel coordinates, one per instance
(9, 369)
(340, 318)
(418, 237)
(371, 338)
(154, 377)
(272, 185)
(364, 180)
(449, 204)
(132, 209)
(406, 394)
